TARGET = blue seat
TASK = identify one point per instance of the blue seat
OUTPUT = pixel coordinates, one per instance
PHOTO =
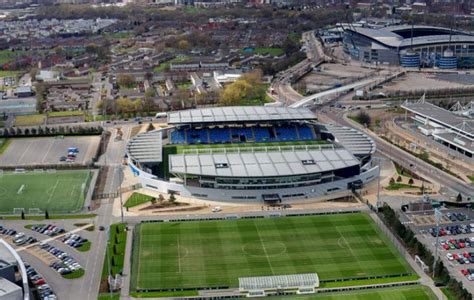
(306, 133)
(198, 136)
(241, 135)
(262, 134)
(286, 133)
(219, 135)
(178, 137)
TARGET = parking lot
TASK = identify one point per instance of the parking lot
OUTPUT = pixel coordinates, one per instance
(47, 252)
(456, 241)
(48, 151)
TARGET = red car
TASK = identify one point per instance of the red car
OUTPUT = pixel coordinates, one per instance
(446, 246)
(455, 256)
(466, 254)
(39, 282)
(465, 272)
(461, 245)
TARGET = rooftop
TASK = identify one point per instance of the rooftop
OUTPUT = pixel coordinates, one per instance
(239, 114)
(278, 282)
(146, 147)
(263, 164)
(442, 116)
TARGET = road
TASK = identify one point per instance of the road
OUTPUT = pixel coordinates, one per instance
(405, 159)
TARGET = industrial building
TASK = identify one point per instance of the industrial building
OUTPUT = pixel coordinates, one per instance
(410, 46)
(251, 154)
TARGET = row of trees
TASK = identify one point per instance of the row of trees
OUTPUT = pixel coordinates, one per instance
(247, 87)
(47, 131)
(415, 247)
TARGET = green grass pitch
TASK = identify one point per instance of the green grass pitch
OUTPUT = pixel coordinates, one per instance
(56, 192)
(398, 293)
(217, 253)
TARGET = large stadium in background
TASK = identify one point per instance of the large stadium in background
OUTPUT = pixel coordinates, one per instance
(251, 154)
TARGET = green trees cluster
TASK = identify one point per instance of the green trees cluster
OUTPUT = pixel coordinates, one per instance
(50, 131)
(407, 236)
(247, 87)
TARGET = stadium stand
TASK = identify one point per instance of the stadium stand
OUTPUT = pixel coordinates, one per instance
(305, 133)
(219, 135)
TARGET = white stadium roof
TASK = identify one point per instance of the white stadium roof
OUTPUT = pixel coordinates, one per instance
(262, 164)
(239, 114)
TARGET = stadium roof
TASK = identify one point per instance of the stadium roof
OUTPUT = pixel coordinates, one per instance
(441, 116)
(239, 114)
(262, 164)
(146, 147)
(389, 37)
(356, 142)
(278, 282)
(456, 139)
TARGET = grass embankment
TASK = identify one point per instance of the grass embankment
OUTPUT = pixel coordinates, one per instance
(51, 217)
(166, 65)
(29, 120)
(85, 247)
(115, 250)
(4, 143)
(76, 274)
(74, 113)
(398, 186)
(137, 199)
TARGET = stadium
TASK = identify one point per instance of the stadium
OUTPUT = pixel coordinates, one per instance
(411, 46)
(251, 154)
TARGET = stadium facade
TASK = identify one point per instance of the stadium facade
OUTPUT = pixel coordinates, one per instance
(411, 46)
(251, 154)
(453, 130)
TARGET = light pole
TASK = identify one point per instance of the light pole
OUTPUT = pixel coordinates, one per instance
(377, 204)
(120, 192)
(438, 218)
(108, 262)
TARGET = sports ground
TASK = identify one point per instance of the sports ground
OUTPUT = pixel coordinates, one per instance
(399, 293)
(216, 253)
(61, 191)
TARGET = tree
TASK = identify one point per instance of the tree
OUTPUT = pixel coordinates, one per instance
(399, 179)
(247, 87)
(183, 45)
(410, 181)
(46, 214)
(150, 127)
(172, 198)
(459, 198)
(161, 198)
(392, 181)
(364, 118)
(22, 214)
(153, 201)
(126, 80)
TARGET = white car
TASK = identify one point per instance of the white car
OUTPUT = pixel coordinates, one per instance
(19, 235)
(449, 256)
(216, 209)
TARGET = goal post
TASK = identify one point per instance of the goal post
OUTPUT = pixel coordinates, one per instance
(18, 210)
(34, 211)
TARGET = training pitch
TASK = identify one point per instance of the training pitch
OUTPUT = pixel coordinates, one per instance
(62, 191)
(216, 253)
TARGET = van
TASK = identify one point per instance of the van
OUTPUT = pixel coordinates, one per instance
(161, 115)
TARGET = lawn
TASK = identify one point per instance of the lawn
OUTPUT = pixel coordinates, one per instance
(165, 65)
(4, 73)
(398, 186)
(65, 113)
(137, 199)
(217, 253)
(471, 178)
(29, 120)
(271, 51)
(4, 145)
(398, 293)
(7, 56)
(60, 192)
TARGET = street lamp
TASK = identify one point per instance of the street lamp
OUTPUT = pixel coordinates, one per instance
(379, 159)
(437, 214)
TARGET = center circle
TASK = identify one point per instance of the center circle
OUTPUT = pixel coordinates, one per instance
(264, 248)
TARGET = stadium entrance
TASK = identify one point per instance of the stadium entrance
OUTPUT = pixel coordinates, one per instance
(271, 199)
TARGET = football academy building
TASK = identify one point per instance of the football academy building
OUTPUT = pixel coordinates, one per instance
(251, 154)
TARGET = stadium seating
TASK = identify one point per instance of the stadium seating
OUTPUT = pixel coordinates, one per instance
(178, 137)
(286, 133)
(262, 134)
(198, 136)
(219, 135)
(305, 133)
(241, 135)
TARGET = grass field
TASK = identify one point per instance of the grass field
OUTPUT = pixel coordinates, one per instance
(4, 73)
(137, 199)
(4, 145)
(56, 192)
(29, 120)
(217, 253)
(399, 293)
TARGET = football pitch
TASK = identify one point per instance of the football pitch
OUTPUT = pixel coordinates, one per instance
(61, 191)
(398, 293)
(216, 253)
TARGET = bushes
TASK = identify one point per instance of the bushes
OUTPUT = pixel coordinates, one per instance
(50, 131)
(116, 249)
(413, 246)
